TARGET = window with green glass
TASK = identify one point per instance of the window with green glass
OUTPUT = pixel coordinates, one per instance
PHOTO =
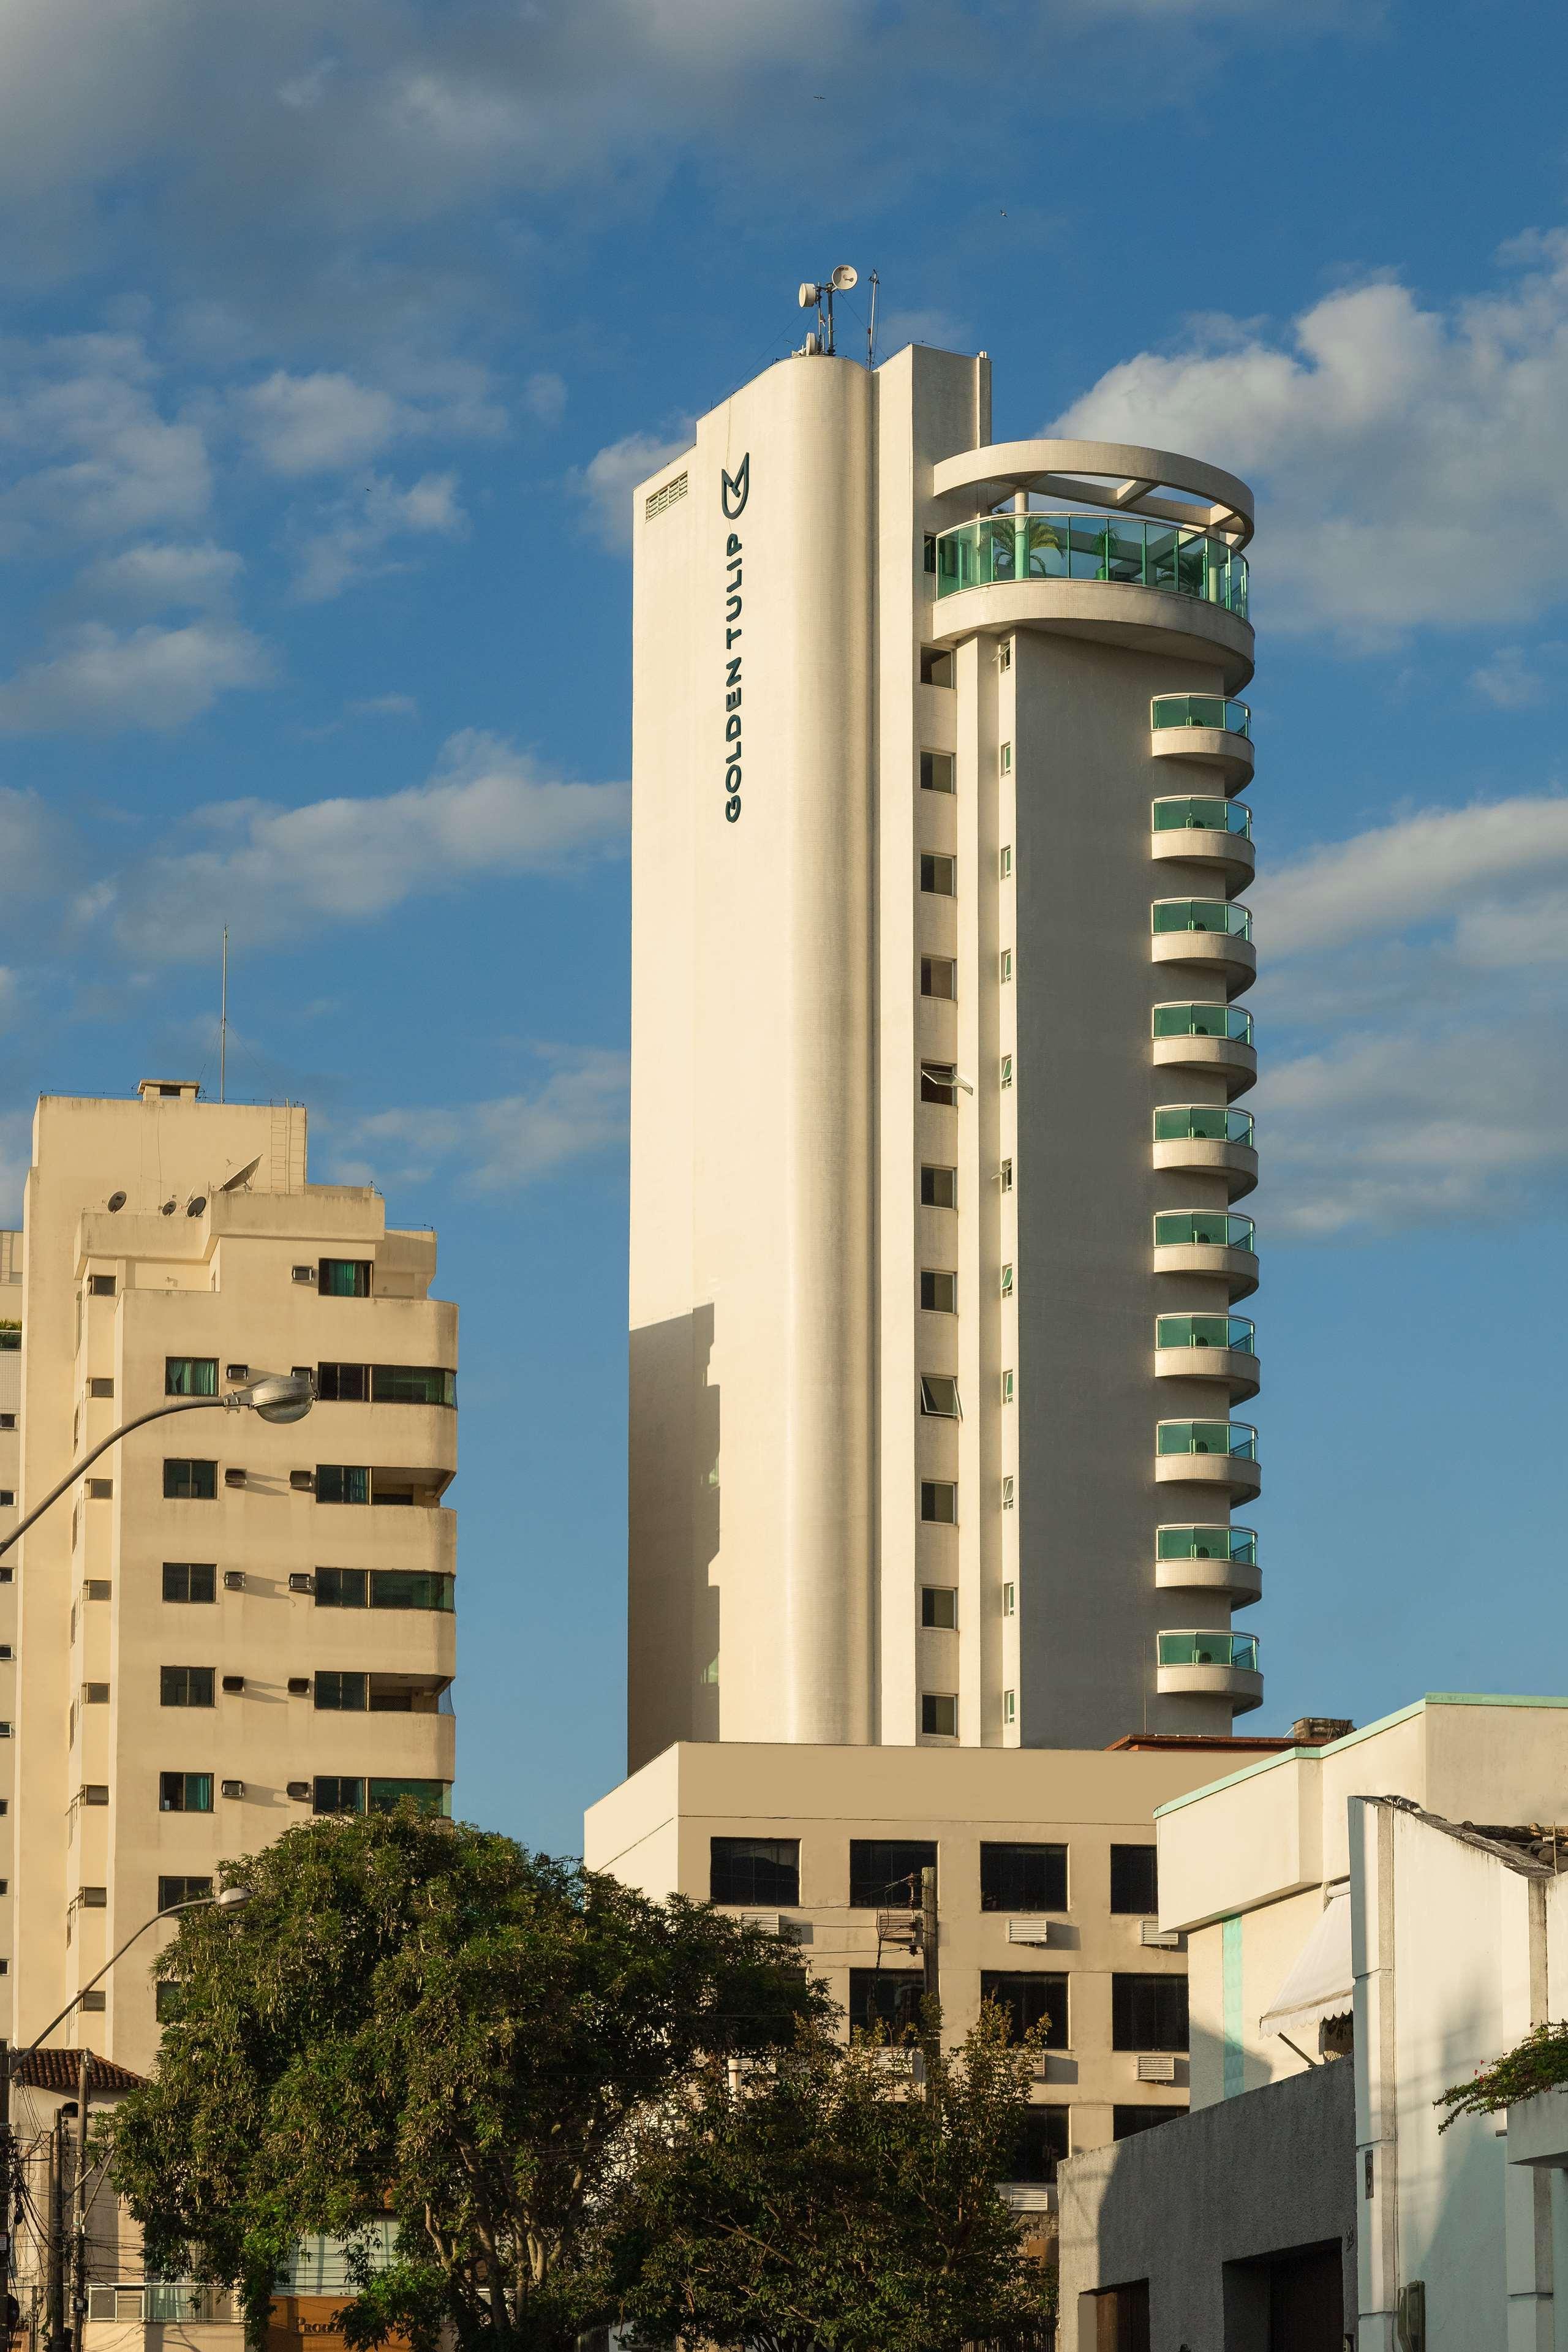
(1203, 1648)
(1187, 812)
(426, 1796)
(1205, 1228)
(190, 1376)
(332, 1792)
(1202, 1123)
(344, 1278)
(409, 1588)
(1126, 550)
(1200, 711)
(186, 1685)
(1204, 1021)
(412, 1384)
(1237, 1438)
(1235, 1331)
(342, 1694)
(189, 1482)
(342, 1588)
(184, 1793)
(1239, 1544)
(342, 1482)
(1202, 915)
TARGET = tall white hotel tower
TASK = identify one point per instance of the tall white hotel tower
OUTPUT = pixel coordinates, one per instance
(935, 1255)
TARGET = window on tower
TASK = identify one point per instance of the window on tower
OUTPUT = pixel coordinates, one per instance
(936, 771)
(939, 1291)
(939, 874)
(939, 976)
(938, 1188)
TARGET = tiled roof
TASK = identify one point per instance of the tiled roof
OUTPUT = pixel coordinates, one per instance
(56, 2070)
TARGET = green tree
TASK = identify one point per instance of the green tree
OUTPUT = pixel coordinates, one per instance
(419, 2017)
(827, 2202)
(1539, 2063)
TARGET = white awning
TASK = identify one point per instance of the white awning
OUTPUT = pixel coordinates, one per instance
(1319, 1985)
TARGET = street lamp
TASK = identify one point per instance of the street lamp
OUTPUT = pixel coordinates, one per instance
(275, 1396)
(227, 1899)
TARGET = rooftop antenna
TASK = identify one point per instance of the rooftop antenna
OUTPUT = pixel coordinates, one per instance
(223, 1026)
(872, 330)
(838, 282)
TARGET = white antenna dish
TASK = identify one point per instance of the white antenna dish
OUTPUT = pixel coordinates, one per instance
(809, 294)
(241, 1175)
(844, 276)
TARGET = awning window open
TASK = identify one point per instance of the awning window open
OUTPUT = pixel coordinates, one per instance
(1319, 1985)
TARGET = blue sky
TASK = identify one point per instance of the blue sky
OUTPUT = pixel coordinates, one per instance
(333, 334)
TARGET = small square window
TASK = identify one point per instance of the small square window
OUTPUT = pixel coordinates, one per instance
(344, 1278)
(184, 1793)
(939, 1503)
(173, 1891)
(939, 976)
(939, 1395)
(190, 1482)
(938, 1188)
(1007, 1491)
(1007, 1386)
(186, 1685)
(938, 1607)
(1009, 1706)
(333, 1794)
(939, 1715)
(936, 667)
(100, 1286)
(95, 1694)
(100, 1388)
(939, 1291)
(101, 1490)
(190, 1376)
(1004, 1175)
(1007, 1070)
(98, 1588)
(1005, 654)
(190, 1580)
(1004, 966)
(939, 1083)
(936, 771)
(342, 1588)
(342, 1482)
(1009, 1601)
(1005, 861)
(1135, 1880)
(939, 875)
(1006, 759)
(344, 1692)
(762, 1871)
(8, 1497)
(7, 1420)
(98, 1999)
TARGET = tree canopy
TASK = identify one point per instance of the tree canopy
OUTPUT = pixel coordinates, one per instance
(417, 2017)
(1539, 2063)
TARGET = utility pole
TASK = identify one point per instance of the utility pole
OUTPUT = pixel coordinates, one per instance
(78, 2203)
(7, 2268)
(55, 2321)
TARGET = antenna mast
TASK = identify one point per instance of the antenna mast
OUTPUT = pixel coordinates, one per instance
(223, 1026)
(872, 330)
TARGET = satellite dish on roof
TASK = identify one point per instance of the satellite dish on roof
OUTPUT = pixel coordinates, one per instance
(241, 1175)
(844, 276)
(116, 1200)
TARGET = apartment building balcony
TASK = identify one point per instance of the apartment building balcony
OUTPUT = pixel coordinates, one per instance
(1202, 1665)
(1208, 1241)
(1213, 935)
(1198, 830)
(1210, 1139)
(1208, 1348)
(1207, 728)
(1213, 1037)
(1208, 1454)
(1194, 1558)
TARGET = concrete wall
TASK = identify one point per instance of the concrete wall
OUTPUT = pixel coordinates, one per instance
(1193, 2205)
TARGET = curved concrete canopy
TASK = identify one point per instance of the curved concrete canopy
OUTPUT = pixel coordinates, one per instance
(1241, 1581)
(1114, 612)
(1129, 475)
(1238, 1266)
(1238, 1683)
(1210, 747)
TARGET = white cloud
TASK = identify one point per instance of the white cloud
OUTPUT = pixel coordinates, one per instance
(486, 811)
(153, 575)
(316, 424)
(579, 1108)
(606, 482)
(362, 526)
(1409, 460)
(15, 1161)
(544, 397)
(101, 680)
(1413, 1019)
(84, 449)
(1508, 680)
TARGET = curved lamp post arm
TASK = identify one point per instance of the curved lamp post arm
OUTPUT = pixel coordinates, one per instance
(201, 1903)
(186, 1404)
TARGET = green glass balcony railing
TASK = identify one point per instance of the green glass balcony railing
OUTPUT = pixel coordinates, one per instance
(1239, 1544)
(1125, 548)
(1204, 1021)
(1202, 1123)
(1202, 1649)
(1200, 711)
(1179, 813)
(1238, 1332)
(1205, 1228)
(1237, 1439)
(1201, 915)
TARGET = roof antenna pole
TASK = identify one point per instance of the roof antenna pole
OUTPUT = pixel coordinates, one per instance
(223, 1026)
(872, 330)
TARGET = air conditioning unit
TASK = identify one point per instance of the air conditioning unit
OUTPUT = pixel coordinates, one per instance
(303, 1482)
(232, 1788)
(298, 1793)
(769, 1922)
(234, 1478)
(95, 1792)
(301, 1580)
(234, 1580)
(1166, 1939)
(303, 1273)
(234, 1682)
(1157, 2066)
(300, 1687)
(1028, 1931)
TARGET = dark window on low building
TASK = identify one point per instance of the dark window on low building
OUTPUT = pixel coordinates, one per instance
(342, 1588)
(764, 1870)
(887, 1997)
(1023, 1878)
(409, 1588)
(190, 1376)
(1127, 2122)
(333, 1794)
(186, 1685)
(885, 1873)
(173, 1892)
(412, 1384)
(1148, 2012)
(344, 1693)
(344, 1278)
(424, 1796)
(343, 1384)
(184, 1793)
(185, 1580)
(342, 1482)
(1041, 2144)
(1135, 1879)
(1030, 1998)
(190, 1482)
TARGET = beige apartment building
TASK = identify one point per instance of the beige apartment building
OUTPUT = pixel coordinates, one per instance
(227, 1626)
(938, 1386)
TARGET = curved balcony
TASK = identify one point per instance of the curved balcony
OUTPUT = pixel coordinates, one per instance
(1208, 1348)
(1213, 1037)
(1208, 1138)
(1208, 1241)
(1198, 830)
(1213, 935)
(1218, 1560)
(1206, 728)
(1199, 1664)
(1208, 1454)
